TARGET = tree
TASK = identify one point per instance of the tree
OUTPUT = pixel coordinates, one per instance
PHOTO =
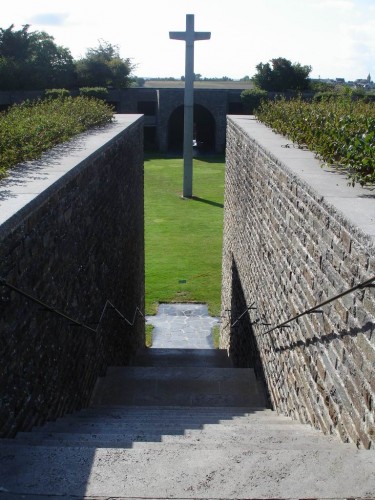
(103, 67)
(52, 65)
(33, 61)
(283, 75)
(139, 81)
(252, 99)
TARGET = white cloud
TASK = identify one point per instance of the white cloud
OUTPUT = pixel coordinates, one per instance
(49, 19)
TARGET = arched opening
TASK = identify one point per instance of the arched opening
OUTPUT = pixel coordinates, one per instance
(204, 130)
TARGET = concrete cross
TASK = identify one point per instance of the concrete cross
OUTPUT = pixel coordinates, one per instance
(189, 36)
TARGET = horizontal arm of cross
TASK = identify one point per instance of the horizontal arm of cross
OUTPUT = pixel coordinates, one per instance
(177, 35)
(202, 35)
(181, 35)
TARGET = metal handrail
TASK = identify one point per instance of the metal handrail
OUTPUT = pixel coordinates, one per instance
(241, 315)
(365, 284)
(75, 322)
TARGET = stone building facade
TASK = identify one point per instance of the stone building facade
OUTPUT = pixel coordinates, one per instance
(295, 235)
(163, 114)
(163, 110)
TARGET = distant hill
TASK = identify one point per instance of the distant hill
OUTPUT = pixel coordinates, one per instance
(179, 84)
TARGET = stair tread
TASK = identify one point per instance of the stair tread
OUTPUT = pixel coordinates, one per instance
(202, 410)
(181, 445)
(175, 421)
(183, 386)
(182, 357)
(195, 473)
(183, 372)
(207, 432)
(187, 430)
(116, 424)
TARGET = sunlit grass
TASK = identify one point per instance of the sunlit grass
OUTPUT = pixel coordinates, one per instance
(148, 332)
(216, 336)
(183, 236)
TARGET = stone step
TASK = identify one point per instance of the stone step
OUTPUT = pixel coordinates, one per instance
(104, 431)
(182, 386)
(195, 375)
(129, 415)
(166, 425)
(246, 430)
(104, 427)
(179, 411)
(262, 439)
(157, 421)
(190, 416)
(215, 358)
(188, 472)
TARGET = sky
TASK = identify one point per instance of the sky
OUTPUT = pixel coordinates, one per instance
(335, 37)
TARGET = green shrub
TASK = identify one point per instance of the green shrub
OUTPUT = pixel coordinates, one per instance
(319, 86)
(252, 98)
(97, 92)
(341, 131)
(326, 96)
(56, 93)
(29, 129)
(346, 92)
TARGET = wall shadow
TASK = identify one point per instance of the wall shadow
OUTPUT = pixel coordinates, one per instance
(368, 328)
(210, 158)
(244, 350)
(208, 202)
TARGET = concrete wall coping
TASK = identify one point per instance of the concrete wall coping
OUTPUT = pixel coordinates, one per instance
(355, 204)
(30, 183)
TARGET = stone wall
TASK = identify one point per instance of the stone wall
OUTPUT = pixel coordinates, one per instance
(71, 234)
(294, 235)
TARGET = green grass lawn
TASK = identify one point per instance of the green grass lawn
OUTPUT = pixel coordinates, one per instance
(183, 236)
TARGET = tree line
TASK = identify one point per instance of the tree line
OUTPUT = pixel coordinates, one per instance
(33, 61)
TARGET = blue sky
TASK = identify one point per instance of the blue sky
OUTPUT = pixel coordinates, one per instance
(335, 37)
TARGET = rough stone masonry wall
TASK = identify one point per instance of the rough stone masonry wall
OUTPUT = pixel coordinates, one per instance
(73, 246)
(286, 249)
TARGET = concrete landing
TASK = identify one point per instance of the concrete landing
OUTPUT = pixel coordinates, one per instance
(186, 326)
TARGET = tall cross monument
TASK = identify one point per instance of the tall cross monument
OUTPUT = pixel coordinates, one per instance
(189, 36)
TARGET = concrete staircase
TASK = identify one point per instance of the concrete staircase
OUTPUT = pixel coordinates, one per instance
(181, 423)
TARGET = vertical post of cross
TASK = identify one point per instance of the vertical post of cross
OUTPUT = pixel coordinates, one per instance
(189, 36)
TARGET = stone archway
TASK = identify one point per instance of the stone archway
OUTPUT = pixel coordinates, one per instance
(204, 129)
